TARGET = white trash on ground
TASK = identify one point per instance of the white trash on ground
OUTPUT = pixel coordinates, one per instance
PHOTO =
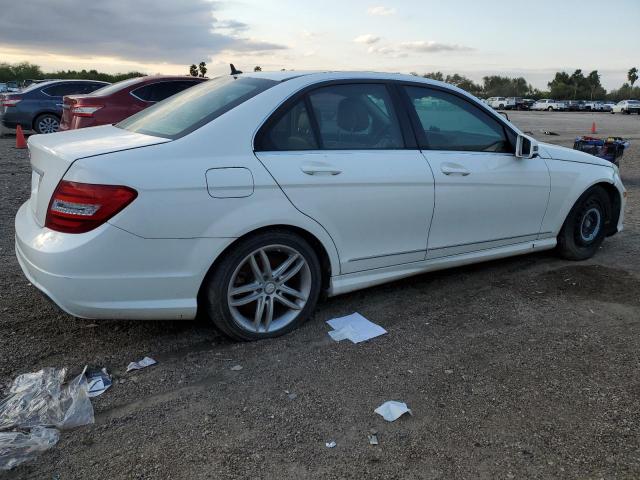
(354, 327)
(145, 362)
(18, 447)
(392, 410)
(98, 382)
(330, 444)
(35, 402)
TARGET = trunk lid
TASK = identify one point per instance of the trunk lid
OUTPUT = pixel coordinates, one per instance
(51, 156)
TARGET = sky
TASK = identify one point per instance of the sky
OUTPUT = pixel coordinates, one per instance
(530, 38)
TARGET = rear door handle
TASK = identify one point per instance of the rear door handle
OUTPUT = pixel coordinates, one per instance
(319, 169)
(454, 170)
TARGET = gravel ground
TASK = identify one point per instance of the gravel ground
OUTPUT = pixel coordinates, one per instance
(521, 368)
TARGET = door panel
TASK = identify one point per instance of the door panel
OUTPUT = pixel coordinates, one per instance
(376, 204)
(485, 200)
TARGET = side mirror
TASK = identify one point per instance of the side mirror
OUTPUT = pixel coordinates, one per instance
(526, 147)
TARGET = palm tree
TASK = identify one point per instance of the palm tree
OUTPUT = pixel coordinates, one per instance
(632, 76)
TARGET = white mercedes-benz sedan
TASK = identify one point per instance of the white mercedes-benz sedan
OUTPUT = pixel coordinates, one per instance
(250, 195)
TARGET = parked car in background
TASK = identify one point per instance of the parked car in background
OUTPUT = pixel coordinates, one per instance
(550, 105)
(608, 106)
(627, 106)
(3, 88)
(39, 106)
(13, 87)
(501, 103)
(524, 103)
(121, 100)
(249, 196)
(576, 105)
(594, 106)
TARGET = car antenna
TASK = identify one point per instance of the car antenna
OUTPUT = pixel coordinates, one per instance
(234, 71)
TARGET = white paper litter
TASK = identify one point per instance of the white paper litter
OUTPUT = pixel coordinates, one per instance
(330, 444)
(354, 327)
(145, 362)
(98, 382)
(236, 368)
(392, 410)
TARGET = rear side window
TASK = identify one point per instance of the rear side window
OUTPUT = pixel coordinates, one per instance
(62, 89)
(356, 117)
(194, 107)
(452, 123)
(292, 131)
(156, 92)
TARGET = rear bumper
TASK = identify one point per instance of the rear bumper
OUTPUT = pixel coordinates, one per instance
(110, 273)
(12, 118)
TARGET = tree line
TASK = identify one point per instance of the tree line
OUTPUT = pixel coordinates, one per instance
(21, 72)
(564, 86)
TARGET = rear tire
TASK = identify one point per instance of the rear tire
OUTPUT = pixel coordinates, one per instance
(46, 123)
(550, 109)
(266, 286)
(585, 227)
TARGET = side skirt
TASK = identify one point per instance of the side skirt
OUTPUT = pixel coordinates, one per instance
(355, 281)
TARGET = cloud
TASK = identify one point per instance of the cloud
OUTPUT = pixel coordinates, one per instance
(381, 11)
(431, 46)
(146, 31)
(367, 39)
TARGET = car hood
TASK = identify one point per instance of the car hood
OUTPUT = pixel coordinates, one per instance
(557, 152)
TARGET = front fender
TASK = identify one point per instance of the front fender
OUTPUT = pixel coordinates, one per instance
(569, 180)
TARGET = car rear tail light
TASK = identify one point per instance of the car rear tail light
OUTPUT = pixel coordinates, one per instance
(81, 207)
(10, 100)
(85, 111)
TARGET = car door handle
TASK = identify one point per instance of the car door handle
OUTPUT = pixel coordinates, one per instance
(319, 169)
(449, 169)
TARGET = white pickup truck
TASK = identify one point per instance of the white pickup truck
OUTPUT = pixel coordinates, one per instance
(550, 105)
(502, 103)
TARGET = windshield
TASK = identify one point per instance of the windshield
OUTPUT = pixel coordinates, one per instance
(116, 87)
(190, 109)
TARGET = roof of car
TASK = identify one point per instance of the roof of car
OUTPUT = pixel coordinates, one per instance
(336, 74)
(79, 80)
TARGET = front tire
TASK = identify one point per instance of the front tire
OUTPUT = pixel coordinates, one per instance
(266, 286)
(585, 227)
(46, 123)
(550, 109)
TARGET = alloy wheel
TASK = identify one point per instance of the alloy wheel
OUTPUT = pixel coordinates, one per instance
(269, 288)
(48, 124)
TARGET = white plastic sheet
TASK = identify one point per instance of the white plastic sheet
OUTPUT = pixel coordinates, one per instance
(354, 327)
(392, 410)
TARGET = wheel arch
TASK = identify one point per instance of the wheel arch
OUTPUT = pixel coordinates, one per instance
(615, 203)
(315, 243)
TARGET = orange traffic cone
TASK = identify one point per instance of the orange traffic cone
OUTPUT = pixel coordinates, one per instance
(593, 128)
(20, 141)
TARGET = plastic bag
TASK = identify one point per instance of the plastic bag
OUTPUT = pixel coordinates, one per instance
(18, 447)
(39, 399)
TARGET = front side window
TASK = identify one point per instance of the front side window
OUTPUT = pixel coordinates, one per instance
(453, 123)
(194, 107)
(356, 117)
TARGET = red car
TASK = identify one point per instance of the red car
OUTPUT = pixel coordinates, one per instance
(120, 100)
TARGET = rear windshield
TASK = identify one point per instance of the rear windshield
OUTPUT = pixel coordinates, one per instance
(190, 109)
(116, 87)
